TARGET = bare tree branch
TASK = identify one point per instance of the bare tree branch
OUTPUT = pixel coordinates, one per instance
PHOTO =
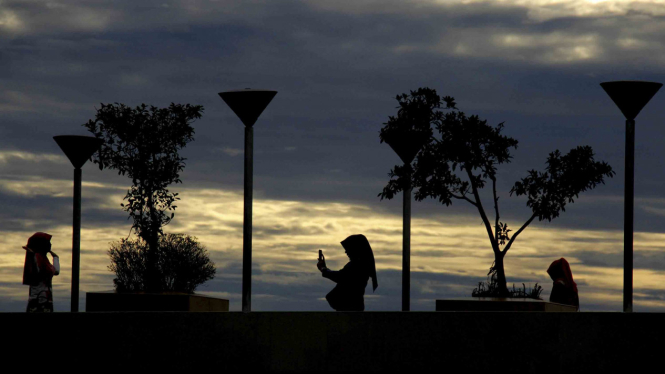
(481, 211)
(496, 210)
(464, 198)
(510, 243)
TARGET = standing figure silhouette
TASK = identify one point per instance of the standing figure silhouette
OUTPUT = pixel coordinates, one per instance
(564, 290)
(38, 272)
(352, 279)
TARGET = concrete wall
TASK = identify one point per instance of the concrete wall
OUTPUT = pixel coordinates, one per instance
(389, 342)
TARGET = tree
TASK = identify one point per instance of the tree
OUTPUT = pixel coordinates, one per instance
(143, 143)
(182, 261)
(463, 159)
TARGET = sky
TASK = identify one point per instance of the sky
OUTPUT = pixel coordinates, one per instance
(535, 65)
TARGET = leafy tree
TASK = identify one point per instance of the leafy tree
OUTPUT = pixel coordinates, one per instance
(463, 158)
(183, 264)
(143, 143)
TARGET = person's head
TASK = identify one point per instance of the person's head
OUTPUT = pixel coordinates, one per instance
(352, 253)
(359, 251)
(39, 242)
(560, 270)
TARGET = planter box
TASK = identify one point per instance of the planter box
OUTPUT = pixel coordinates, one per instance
(111, 301)
(500, 304)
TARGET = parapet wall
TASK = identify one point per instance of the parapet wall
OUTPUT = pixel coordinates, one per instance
(386, 342)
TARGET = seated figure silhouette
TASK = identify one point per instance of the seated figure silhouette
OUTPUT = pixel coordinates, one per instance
(564, 290)
(38, 273)
(352, 279)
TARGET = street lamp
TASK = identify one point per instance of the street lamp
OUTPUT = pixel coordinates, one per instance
(406, 145)
(248, 105)
(630, 97)
(78, 150)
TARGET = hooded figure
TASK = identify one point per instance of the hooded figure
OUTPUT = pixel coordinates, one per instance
(38, 272)
(352, 279)
(564, 290)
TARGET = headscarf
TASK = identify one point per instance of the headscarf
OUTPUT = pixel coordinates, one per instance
(39, 242)
(359, 246)
(560, 270)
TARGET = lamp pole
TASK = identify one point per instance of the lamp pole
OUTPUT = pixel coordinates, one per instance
(248, 104)
(78, 149)
(630, 97)
(406, 145)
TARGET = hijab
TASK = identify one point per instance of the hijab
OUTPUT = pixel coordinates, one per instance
(358, 247)
(39, 243)
(560, 270)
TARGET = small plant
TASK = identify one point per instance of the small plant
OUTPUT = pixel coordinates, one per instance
(143, 143)
(491, 289)
(183, 264)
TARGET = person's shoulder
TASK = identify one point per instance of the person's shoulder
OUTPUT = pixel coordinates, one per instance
(349, 265)
(354, 267)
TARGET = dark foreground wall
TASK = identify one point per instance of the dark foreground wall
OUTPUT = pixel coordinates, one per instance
(389, 342)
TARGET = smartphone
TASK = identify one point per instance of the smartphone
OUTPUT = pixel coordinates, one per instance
(321, 255)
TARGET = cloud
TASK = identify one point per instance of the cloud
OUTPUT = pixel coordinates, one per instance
(27, 157)
(232, 151)
(447, 260)
(318, 164)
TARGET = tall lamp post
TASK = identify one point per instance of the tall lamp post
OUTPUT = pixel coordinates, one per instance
(248, 104)
(406, 145)
(630, 97)
(78, 150)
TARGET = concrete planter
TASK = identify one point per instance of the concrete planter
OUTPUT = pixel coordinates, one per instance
(500, 304)
(111, 301)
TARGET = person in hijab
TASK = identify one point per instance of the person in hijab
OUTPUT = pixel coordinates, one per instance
(564, 290)
(38, 272)
(352, 279)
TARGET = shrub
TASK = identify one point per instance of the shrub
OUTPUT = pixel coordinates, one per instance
(491, 289)
(182, 264)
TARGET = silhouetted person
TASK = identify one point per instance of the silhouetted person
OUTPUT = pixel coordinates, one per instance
(352, 279)
(564, 290)
(38, 272)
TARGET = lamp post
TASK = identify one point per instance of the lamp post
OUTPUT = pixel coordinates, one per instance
(78, 150)
(630, 97)
(406, 145)
(248, 104)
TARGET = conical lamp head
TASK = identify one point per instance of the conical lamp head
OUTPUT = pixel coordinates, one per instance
(248, 104)
(78, 149)
(631, 96)
(406, 144)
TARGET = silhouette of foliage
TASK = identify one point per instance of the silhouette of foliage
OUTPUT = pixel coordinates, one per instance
(143, 143)
(564, 178)
(491, 288)
(183, 264)
(463, 157)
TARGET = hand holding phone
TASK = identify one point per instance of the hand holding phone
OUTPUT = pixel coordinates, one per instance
(322, 261)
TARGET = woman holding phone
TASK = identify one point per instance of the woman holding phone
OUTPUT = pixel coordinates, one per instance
(352, 279)
(38, 272)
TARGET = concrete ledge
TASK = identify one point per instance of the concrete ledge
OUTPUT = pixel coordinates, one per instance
(385, 342)
(111, 301)
(500, 304)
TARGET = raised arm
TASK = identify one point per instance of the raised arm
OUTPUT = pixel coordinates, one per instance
(335, 276)
(56, 263)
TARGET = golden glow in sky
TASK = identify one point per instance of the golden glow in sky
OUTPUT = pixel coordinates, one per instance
(287, 235)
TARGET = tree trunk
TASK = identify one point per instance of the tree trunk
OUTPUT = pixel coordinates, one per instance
(152, 272)
(500, 274)
(152, 279)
